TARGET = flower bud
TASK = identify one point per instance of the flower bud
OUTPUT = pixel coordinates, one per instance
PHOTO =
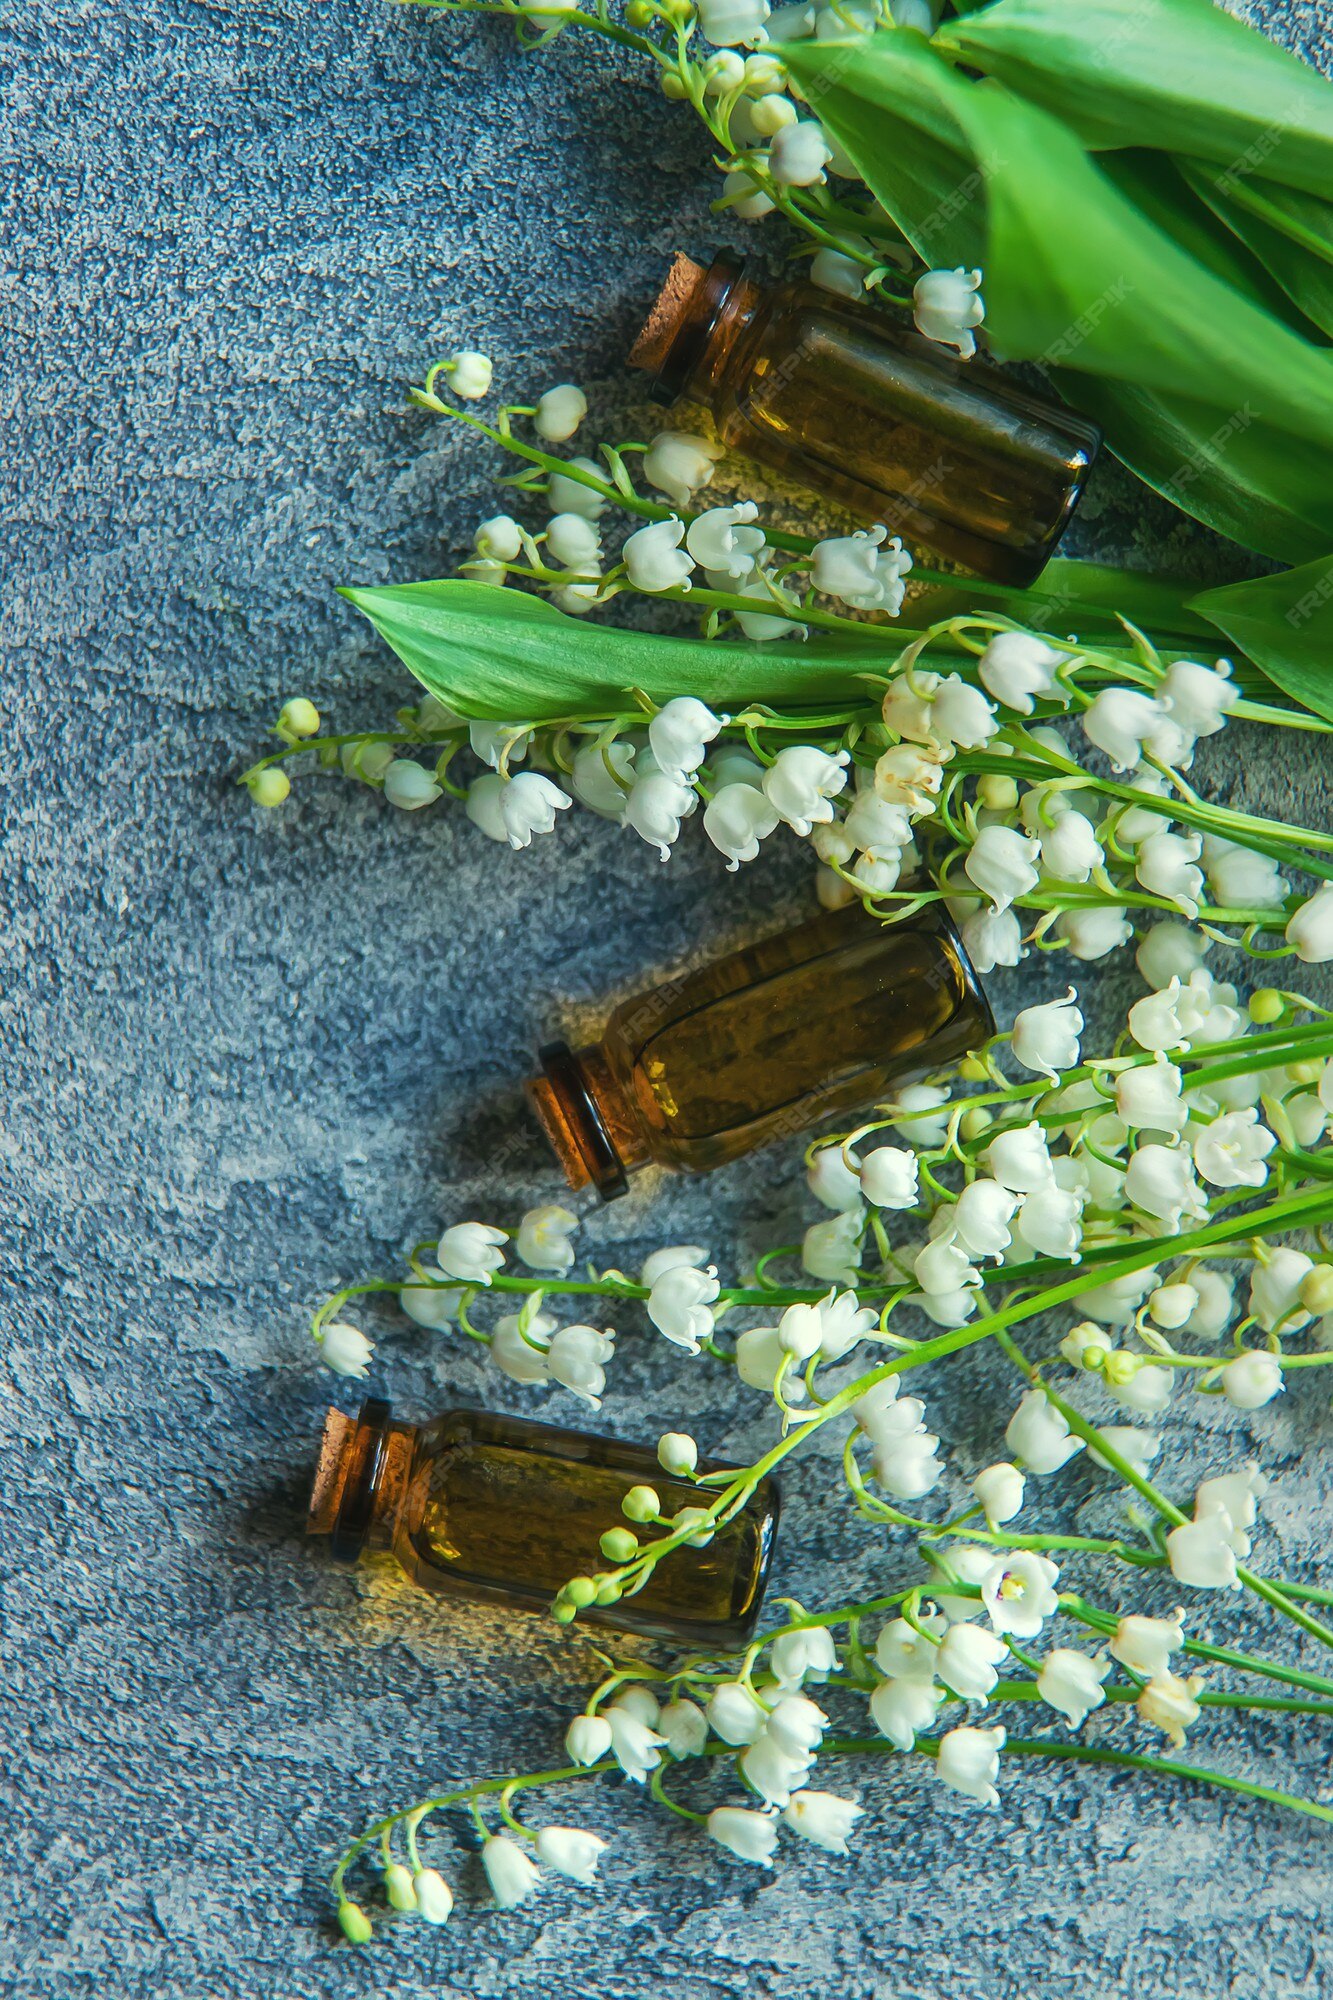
(560, 411)
(299, 717)
(469, 374)
(1267, 1007)
(355, 1923)
(1316, 1290)
(435, 1899)
(618, 1545)
(677, 1453)
(270, 786)
(399, 1887)
(641, 1504)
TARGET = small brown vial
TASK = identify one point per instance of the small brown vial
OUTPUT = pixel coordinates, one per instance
(759, 1045)
(955, 457)
(497, 1508)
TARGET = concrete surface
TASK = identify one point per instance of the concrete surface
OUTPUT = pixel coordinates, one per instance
(248, 1057)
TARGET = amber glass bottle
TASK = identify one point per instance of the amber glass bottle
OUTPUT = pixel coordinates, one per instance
(760, 1044)
(475, 1505)
(959, 460)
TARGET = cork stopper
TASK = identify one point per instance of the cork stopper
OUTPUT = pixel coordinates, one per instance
(331, 1473)
(668, 315)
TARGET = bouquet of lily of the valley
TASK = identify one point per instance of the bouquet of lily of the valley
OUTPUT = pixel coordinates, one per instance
(1127, 1215)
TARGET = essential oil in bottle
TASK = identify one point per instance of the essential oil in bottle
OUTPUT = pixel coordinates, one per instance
(759, 1045)
(959, 460)
(497, 1508)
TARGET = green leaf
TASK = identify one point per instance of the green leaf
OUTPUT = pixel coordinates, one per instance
(1182, 75)
(1285, 624)
(507, 656)
(1078, 277)
(1290, 234)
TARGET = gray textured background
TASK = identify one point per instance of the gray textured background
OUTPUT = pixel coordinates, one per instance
(250, 1056)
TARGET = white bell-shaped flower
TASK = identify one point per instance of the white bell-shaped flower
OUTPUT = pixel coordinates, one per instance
(1233, 1150)
(512, 1874)
(560, 411)
(834, 272)
(471, 1251)
(1199, 698)
(1169, 1705)
(750, 1836)
(961, 716)
(1310, 929)
(1252, 1379)
(1092, 933)
(968, 1659)
(519, 1354)
(889, 1177)
(875, 826)
(1275, 1290)
(469, 373)
(1071, 1682)
(1016, 666)
(573, 540)
(635, 1744)
(345, 1349)
(832, 1182)
(568, 495)
(1050, 1222)
(679, 1302)
(772, 1770)
(822, 1817)
(678, 464)
(654, 807)
(500, 538)
(1070, 849)
(1038, 1435)
(831, 1251)
(1020, 1159)
(542, 1238)
(1145, 1645)
(723, 541)
(593, 784)
(1019, 1592)
(1169, 951)
(1046, 1038)
(991, 937)
(901, 1709)
(1200, 1553)
(1148, 1097)
(1119, 721)
(733, 23)
(861, 571)
(946, 305)
(802, 781)
(806, 1654)
(1160, 1180)
(999, 1488)
(735, 1713)
(1167, 865)
(587, 1740)
(571, 1851)
(409, 785)
(1001, 862)
(736, 819)
(576, 1357)
(911, 775)
(680, 733)
(799, 153)
(654, 558)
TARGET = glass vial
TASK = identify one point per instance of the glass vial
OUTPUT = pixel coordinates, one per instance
(761, 1044)
(958, 459)
(482, 1506)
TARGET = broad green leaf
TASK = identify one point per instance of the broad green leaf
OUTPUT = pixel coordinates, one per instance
(1290, 234)
(1285, 624)
(1078, 277)
(506, 655)
(1182, 75)
(1239, 477)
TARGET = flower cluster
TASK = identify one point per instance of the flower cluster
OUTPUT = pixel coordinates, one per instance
(1147, 1213)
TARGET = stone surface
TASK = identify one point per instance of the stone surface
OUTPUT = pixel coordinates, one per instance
(250, 1057)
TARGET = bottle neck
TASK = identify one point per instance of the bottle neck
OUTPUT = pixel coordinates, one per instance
(362, 1479)
(721, 308)
(591, 1124)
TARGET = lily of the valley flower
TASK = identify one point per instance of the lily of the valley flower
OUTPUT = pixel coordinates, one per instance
(560, 411)
(861, 571)
(1160, 1180)
(969, 1762)
(1072, 1683)
(822, 1818)
(1001, 862)
(801, 783)
(635, 1744)
(345, 1349)
(946, 305)
(521, 1353)
(1018, 1592)
(735, 1714)
(678, 464)
(1233, 1149)
(1015, 667)
(683, 1728)
(723, 540)
(799, 153)
(654, 807)
(512, 1874)
(654, 558)
(736, 819)
(1309, 930)
(542, 1239)
(679, 735)
(901, 1708)
(968, 1659)
(576, 1358)
(469, 373)
(679, 1302)
(588, 1739)
(571, 1851)
(1145, 1645)
(1169, 1704)
(409, 785)
(1046, 1038)
(471, 1251)
(999, 1488)
(1038, 1435)
(750, 1836)
(1252, 1379)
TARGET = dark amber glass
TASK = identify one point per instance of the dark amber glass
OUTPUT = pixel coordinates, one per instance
(761, 1044)
(960, 460)
(498, 1508)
